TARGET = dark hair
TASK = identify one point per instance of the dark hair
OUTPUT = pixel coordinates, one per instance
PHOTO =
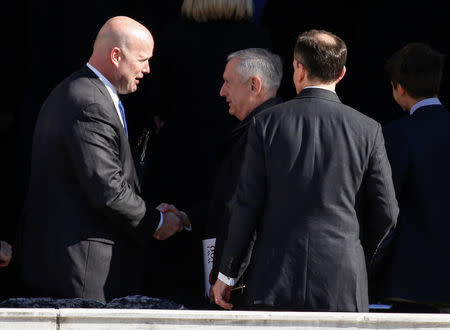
(418, 68)
(322, 53)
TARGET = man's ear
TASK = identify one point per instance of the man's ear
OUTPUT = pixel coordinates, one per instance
(116, 56)
(401, 90)
(256, 85)
(301, 71)
(344, 70)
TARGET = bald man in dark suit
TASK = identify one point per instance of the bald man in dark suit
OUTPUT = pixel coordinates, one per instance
(84, 228)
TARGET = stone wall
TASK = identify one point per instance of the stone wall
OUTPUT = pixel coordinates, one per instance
(123, 319)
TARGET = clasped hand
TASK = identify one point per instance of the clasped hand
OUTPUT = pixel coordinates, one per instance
(220, 294)
(174, 221)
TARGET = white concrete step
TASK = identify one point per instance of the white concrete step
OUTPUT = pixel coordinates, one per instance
(139, 319)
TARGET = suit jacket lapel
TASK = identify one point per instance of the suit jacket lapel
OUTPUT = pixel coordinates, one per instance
(103, 90)
(85, 71)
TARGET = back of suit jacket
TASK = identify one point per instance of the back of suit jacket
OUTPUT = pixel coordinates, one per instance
(419, 151)
(316, 185)
(84, 226)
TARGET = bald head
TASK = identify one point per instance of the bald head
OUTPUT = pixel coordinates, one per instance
(325, 38)
(121, 52)
(120, 31)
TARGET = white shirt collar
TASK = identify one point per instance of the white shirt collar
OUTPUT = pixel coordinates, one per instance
(425, 102)
(321, 87)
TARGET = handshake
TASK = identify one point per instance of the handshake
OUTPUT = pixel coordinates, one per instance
(174, 221)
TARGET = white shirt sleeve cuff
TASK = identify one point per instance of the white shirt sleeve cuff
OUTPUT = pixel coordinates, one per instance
(230, 281)
(161, 220)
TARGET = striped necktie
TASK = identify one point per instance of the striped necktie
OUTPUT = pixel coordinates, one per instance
(122, 112)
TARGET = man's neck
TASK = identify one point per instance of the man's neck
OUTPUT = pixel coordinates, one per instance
(409, 102)
(331, 87)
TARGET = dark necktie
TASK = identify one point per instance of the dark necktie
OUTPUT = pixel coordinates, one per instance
(122, 112)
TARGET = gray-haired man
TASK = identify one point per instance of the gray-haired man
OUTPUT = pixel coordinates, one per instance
(251, 80)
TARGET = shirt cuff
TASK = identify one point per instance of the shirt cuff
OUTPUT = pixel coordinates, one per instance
(230, 281)
(161, 220)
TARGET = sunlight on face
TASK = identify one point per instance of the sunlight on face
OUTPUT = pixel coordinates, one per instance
(237, 93)
(134, 65)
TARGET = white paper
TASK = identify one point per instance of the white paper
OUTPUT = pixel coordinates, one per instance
(209, 246)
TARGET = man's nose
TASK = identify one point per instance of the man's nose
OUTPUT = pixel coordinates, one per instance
(146, 68)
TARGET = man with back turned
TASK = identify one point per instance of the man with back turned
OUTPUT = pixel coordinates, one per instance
(316, 186)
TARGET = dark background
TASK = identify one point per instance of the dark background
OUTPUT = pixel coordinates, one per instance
(44, 41)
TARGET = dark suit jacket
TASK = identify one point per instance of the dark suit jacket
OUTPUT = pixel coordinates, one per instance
(85, 227)
(184, 88)
(316, 185)
(225, 185)
(418, 147)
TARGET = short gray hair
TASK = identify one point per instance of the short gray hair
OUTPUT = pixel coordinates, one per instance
(261, 63)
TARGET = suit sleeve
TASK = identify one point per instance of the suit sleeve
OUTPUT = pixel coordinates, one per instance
(382, 208)
(93, 146)
(246, 205)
